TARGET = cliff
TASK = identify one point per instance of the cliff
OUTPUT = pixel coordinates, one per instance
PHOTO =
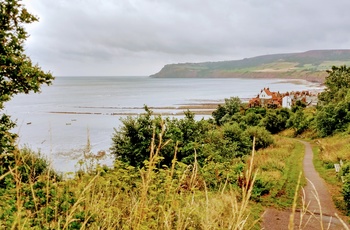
(310, 65)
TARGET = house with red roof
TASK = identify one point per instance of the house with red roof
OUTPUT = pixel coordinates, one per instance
(269, 99)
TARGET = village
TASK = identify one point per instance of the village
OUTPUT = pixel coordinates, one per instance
(269, 99)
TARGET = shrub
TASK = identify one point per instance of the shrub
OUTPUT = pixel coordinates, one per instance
(132, 143)
(223, 113)
(299, 122)
(238, 141)
(252, 119)
(260, 189)
(28, 190)
(263, 138)
(275, 120)
(346, 193)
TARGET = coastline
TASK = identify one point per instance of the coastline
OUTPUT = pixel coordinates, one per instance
(316, 77)
(198, 108)
(66, 114)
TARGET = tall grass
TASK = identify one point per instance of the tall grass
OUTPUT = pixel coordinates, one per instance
(125, 197)
(279, 167)
(327, 152)
(153, 197)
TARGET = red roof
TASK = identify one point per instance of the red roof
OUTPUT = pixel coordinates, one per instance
(267, 91)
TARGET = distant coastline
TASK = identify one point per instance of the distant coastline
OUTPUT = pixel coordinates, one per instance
(310, 65)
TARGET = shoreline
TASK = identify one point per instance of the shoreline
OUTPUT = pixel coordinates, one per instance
(197, 108)
(200, 108)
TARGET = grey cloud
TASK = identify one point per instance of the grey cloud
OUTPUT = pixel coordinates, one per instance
(127, 32)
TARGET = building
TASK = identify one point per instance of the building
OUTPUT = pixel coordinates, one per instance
(269, 99)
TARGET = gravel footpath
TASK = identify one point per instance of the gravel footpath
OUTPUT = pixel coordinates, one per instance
(316, 196)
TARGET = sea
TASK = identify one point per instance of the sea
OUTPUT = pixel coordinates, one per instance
(76, 112)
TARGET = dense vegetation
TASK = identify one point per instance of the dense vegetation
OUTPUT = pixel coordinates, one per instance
(188, 137)
(17, 73)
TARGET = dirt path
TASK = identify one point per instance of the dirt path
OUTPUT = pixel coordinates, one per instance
(316, 196)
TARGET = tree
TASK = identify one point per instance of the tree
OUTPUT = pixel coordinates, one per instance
(238, 140)
(337, 84)
(231, 107)
(333, 113)
(132, 142)
(275, 120)
(298, 121)
(17, 72)
(333, 117)
(263, 138)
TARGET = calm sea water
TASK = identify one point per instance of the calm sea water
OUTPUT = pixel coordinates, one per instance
(59, 120)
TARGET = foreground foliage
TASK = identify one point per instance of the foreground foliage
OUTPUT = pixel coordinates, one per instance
(17, 73)
(181, 196)
(333, 112)
(124, 197)
(330, 151)
(131, 143)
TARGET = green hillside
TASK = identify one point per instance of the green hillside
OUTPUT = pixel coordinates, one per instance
(310, 65)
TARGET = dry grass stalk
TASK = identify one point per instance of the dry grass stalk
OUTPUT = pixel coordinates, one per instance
(115, 208)
(241, 218)
(291, 218)
(81, 198)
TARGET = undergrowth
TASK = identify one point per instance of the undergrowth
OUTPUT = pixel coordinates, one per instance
(330, 151)
(183, 196)
(279, 167)
(126, 197)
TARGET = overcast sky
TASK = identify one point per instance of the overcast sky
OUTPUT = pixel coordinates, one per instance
(138, 37)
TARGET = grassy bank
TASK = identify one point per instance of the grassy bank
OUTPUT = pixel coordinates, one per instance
(125, 197)
(152, 197)
(280, 166)
(327, 152)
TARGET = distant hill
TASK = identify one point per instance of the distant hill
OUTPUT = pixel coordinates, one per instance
(310, 65)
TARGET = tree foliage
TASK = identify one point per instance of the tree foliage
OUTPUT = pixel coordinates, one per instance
(132, 142)
(275, 121)
(225, 112)
(188, 137)
(333, 113)
(299, 122)
(337, 84)
(17, 72)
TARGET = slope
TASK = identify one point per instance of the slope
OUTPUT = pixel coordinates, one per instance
(310, 65)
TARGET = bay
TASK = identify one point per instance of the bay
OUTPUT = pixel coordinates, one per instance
(60, 120)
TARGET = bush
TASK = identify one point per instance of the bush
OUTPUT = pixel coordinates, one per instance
(252, 119)
(275, 121)
(223, 113)
(132, 143)
(260, 189)
(299, 122)
(345, 169)
(238, 141)
(345, 173)
(263, 138)
(28, 190)
(346, 193)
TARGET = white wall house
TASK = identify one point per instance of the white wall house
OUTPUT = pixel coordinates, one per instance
(287, 102)
(264, 95)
